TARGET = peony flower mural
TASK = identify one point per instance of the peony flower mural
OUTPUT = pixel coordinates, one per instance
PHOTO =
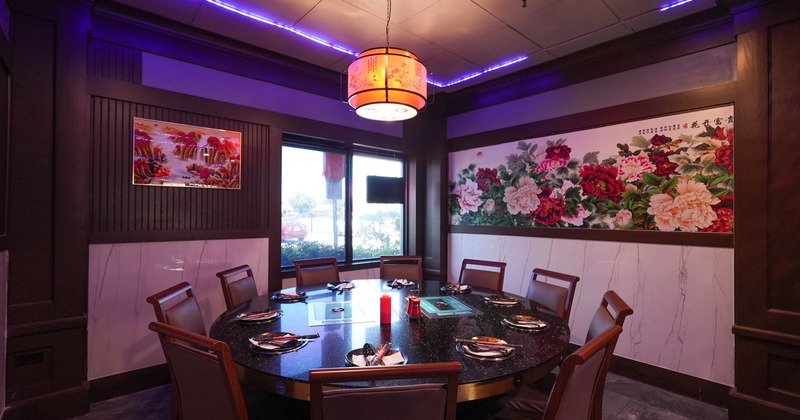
(673, 174)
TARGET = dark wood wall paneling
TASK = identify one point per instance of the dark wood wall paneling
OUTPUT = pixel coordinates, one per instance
(767, 290)
(47, 211)
(123, 211)
(671, 104)
(6, 66)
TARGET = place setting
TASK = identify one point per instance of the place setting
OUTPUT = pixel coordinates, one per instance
(525, 322)
(400, 283)
(486, 348)
(368, 355)
(340, 286)
(455, 288)
(257, 317)
(289, 297)
(279, 342)
(500, 300)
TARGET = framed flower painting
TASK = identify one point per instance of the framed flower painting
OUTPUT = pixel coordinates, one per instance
(671, 173)
(179, 155)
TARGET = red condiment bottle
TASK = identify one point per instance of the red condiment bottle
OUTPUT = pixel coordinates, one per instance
(386, 309)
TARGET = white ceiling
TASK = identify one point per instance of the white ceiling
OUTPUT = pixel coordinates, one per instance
(453, 38)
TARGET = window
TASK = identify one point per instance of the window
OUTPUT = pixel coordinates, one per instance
(320, 218)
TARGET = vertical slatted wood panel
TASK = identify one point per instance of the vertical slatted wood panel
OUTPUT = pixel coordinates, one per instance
(115, 62)
(120, 208)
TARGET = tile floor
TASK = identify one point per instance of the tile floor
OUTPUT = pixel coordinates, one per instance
(624, 399)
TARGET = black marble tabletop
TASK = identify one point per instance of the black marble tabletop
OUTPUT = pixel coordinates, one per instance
(424, 340)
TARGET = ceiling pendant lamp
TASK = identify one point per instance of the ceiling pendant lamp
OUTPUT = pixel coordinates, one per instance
(387, 84)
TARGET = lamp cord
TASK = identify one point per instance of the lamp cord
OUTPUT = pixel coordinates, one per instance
(388, 18)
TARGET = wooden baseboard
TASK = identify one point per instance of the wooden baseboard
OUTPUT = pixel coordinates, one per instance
(680, 383)
(65, 403)
(102, 389)
(744, 406)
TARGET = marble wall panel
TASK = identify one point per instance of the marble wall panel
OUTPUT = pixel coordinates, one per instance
(682, 296)
(122, 276)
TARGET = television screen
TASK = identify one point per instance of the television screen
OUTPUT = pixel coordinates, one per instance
(384, 189)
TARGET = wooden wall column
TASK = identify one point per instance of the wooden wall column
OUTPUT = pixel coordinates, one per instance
(47, 213)
(766, 267)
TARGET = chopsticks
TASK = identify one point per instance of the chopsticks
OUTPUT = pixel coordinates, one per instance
(288, 337)
(486, 343)
(381, 353)
(260, 314)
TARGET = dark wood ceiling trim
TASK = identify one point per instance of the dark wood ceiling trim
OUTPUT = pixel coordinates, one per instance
(124, 25)
(679, 102)
(692, 34)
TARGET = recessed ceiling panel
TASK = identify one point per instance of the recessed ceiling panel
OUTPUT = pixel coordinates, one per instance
(402, 10)
(626, 9)
(342, 23)
(655, 18)
(495, 47)
(590, 40)
(450, 23)
(564, 20)
(287, 12)
(447, 67)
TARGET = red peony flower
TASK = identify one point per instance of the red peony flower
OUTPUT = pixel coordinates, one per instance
(662, 164)
(721, 135)
(550, 210)
(485, 178)
(724, 222)
(558, 152)
(545, 192)
(724, 157)
(602, 182)
(659, 140)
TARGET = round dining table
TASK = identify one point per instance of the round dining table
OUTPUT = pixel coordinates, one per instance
(426, 339)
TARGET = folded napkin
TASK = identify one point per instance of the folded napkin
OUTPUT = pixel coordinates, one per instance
(398, 283)
(258, 316)
(289, 296)
(501, 300)
(486, 351)
(391, 357)
(525, 321)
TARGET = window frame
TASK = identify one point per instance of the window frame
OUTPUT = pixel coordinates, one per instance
(322, 145)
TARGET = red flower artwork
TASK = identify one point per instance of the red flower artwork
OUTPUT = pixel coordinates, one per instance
(560, 151)
(550, 210)
(602, 182)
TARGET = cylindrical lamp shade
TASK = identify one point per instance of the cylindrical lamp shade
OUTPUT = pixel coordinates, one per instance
(387, 84)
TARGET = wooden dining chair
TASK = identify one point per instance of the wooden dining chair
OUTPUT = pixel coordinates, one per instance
(316, 271)
(177, 306)
(407, 267)
(238, 285)
(484, 274)
(574, 392)
(612, 311)
(426, 401)
(555, 297)
(203, 373)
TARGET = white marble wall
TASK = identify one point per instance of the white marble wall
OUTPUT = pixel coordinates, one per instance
(122, 276)
(682, 296)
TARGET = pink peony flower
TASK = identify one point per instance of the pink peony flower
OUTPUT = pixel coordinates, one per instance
(623, 218)
(688, 212)
(489, 205)
(631, 168)
(578, 219)
(522, 198)
(469, 196)
(549, 165)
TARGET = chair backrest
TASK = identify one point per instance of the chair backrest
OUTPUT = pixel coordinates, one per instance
(555, 297)
(420, 402)
(484, 274)
(407, 267)
(316, 271)
(204, 374)
(573, 394)
(612, 311)
(181, 313)
(238, 285)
